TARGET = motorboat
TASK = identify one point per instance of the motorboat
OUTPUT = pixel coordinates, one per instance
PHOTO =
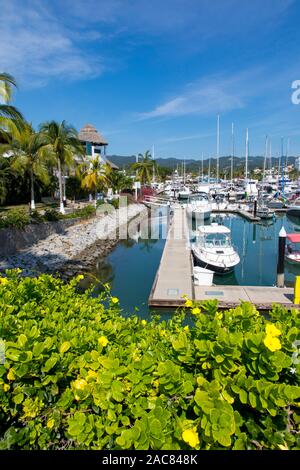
(294, 208)
(292, 253)
(264, 212)
(199, 209)
(184, 193)
(213, 249)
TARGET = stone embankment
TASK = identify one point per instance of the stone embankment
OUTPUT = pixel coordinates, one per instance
(76, 249)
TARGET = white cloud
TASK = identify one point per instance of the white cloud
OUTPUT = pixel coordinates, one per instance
(35, 46)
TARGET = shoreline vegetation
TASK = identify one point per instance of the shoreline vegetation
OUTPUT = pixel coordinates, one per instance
(79, 375)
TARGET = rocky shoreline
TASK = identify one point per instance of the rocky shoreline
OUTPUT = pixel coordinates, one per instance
(76, 250)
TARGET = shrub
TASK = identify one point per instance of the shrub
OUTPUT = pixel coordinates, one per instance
(15, 218)
(36, 217)
(78, 375)
(52, 215)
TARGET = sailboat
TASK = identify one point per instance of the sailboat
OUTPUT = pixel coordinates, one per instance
(250, 185)
(263, 211)
(184, 192)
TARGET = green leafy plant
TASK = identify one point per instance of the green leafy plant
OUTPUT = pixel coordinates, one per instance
(15, 218)
(79, 375)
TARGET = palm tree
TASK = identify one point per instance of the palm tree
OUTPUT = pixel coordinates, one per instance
(144, 167)
(95, 176)
(26, 147)
(62, 142)
(10, 118)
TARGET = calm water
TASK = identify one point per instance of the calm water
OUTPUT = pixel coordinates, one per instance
(132, 266)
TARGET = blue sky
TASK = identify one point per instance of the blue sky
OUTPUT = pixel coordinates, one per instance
(158, 72)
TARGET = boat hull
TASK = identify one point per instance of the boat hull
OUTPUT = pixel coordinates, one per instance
(216, 269)
(293, 211)
(205, 215)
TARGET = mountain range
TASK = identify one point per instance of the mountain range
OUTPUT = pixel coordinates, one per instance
(195, 165)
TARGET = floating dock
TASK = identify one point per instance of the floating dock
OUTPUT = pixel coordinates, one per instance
(174, 278)
(245, 214)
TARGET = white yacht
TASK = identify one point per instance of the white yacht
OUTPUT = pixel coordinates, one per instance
(264, 212)
(213, 249)
(199, 209)
(184, 193)
(294, 208)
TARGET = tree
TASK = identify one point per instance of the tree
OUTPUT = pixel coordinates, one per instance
(95, 176)
(5, 173)
(26, 146)
(10, 118)
(144, 168)
(118, 181)
(62, 142)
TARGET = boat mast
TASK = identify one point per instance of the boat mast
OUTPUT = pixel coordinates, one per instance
(232, 153)
(287, 154)
(153, 170)
(247, 155)
(218, 146)
(209, 170)
(202, 169)
(265, 161)
(282, 164)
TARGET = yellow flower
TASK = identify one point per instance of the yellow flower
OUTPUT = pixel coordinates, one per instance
(272, 343)
(11, 375)
(103, 341)
(80, 277)
(50, 423)
(163, 333)
(188, 303)
(186, 328)
(143, 322)
(190, 436)
(80, 384)
(271, 330)
(6, 387)
(3, 280)
(92, 374)
(196, 310)
(114, 300)
(219, 316)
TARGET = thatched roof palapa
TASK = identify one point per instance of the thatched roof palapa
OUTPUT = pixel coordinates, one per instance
(90, 134)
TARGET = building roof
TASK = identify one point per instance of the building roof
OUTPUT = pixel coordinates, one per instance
(90, 134)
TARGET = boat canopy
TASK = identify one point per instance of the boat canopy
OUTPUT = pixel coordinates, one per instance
(293, 237)
(208, 229)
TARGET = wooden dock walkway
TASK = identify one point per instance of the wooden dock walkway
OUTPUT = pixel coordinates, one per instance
(174, 278)
(174, 275)
(245, 214)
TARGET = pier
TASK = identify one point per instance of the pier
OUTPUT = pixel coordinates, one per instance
(174, 278)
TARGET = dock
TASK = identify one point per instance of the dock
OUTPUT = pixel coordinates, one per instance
(174, 275)
(174, 278)
(245, 214)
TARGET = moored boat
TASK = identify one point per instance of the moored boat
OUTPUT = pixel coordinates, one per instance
(213, 249)
(292, 253)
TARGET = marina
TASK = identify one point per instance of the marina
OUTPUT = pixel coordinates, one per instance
(174, 279)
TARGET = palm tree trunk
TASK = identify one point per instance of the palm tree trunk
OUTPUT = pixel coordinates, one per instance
(32, 202)
(61, 204)
(64, 185)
